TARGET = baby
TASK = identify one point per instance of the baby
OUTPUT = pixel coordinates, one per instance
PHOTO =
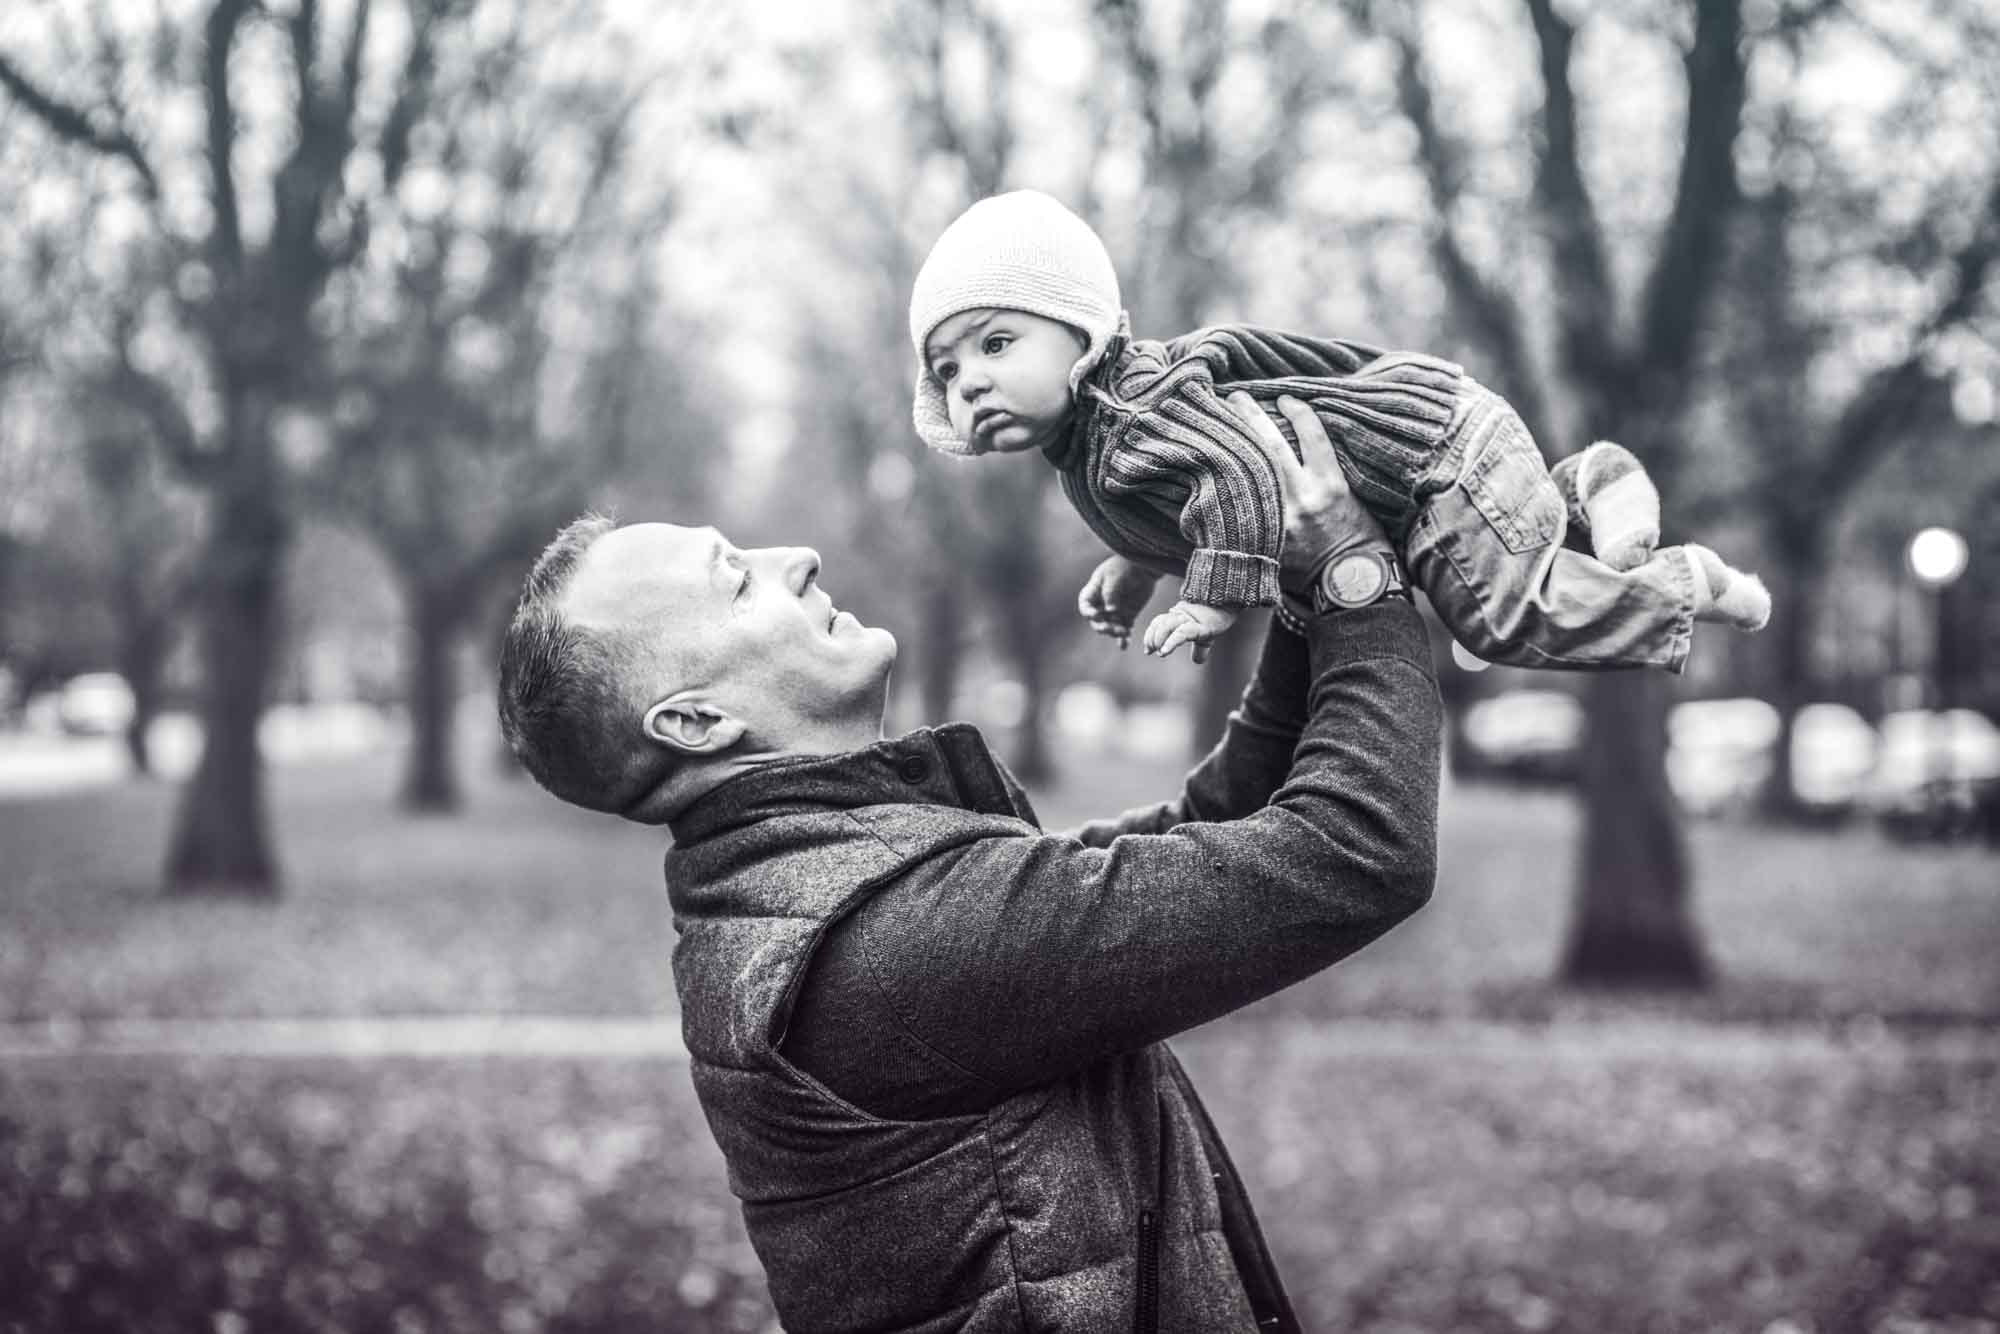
(1022, 345)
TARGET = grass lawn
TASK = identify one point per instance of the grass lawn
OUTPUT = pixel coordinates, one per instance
(1441, 1175)
(523, 905)
(1436, 1140)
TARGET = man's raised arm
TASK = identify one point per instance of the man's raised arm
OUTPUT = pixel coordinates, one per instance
(1022, 959)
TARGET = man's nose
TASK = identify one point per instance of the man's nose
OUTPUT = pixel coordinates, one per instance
(801, 568)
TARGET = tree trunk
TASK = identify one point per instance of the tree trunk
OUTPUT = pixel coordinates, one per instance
(221, 844)
(1791, 686)
(1632, 925)
(943, 650)
(430, 783)
(140, 664)
(1032, 762)
(1223, 677)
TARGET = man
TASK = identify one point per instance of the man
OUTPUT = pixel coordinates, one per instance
(928, 1036)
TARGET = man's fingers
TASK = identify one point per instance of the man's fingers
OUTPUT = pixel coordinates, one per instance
(1266, 433)
(1315, 448)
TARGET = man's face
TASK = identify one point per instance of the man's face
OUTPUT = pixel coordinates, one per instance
(1006, 377)
(753, 626)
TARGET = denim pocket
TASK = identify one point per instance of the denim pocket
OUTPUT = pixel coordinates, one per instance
(1510, 486)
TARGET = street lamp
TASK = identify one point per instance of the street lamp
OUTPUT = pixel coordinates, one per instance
(1938, 556)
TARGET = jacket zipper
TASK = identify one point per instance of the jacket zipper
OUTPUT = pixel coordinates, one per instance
(1147, 1318)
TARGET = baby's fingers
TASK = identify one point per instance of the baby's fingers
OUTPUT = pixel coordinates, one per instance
(1183, 633)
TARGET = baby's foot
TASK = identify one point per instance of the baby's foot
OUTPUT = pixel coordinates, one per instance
(1611, 498)
(1726, 594)
(1195, 623)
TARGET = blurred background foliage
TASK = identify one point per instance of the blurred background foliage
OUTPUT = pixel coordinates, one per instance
(437, 275)
(317, 317)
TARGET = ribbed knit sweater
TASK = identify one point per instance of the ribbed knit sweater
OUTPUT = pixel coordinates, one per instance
(1168, 477)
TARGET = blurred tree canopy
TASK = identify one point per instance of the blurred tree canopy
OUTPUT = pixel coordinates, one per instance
(252, 177)
(447, 269)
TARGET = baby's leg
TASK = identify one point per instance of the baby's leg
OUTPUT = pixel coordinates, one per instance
(1488, 549)
(1726, 594)
(1610, 497)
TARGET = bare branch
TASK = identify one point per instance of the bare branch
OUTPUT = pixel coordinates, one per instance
(1874, 418)
(1122, 20)
(154, 400)
(218, 36)
(1694, 247)
(304, 24)
(350, 60)
(412, 95)
(78, 127)
(1493, 316)
(1582, 276)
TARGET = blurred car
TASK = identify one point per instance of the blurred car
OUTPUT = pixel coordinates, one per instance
(95, 704)
(1937, 774)
(1833, 753)
(1719, 752)
(1535, 735)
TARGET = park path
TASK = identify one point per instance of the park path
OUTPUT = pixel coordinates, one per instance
(1681, 1041)
(416, 1035)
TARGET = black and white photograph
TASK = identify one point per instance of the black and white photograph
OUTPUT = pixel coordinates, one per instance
(1007, 666)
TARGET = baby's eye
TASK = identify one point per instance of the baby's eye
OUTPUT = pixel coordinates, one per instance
(994, 342)
(945, 371)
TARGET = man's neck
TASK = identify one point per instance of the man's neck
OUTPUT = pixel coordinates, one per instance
(698, 779)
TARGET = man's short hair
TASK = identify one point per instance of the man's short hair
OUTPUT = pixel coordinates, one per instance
(566, 707)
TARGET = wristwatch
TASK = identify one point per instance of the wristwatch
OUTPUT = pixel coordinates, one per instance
(1357, 579)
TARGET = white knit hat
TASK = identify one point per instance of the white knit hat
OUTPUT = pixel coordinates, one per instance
(1017, 251)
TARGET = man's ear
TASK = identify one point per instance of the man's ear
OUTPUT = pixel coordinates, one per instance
(691, 725)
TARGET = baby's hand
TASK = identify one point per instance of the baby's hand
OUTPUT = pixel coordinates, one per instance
(1194, 623)
(1113, 597)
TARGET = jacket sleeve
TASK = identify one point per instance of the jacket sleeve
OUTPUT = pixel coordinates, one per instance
(1187, 446)
(1246, 766)
(1238, 352)
(1020, 960)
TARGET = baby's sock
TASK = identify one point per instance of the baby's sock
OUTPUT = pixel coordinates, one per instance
(1726, 594)
(1610, 496)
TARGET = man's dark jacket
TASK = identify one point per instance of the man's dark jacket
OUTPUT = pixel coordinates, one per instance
(928, 1035)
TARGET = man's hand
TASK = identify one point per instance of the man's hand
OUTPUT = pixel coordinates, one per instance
(1322, 517)
(1116, 592)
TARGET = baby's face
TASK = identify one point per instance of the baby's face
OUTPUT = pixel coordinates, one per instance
(1006, 377)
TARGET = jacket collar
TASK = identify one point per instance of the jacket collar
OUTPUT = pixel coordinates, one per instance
(950, 765)
(1093, 392)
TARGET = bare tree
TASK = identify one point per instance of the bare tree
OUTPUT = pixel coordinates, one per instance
(1207, 171)
(244, 309)
(1815, 226)
(1629, 382)
(145, 537)
(308, 128)
(442, 451)
(990, 521)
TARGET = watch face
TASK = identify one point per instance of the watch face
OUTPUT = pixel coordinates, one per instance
(1354, 581)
